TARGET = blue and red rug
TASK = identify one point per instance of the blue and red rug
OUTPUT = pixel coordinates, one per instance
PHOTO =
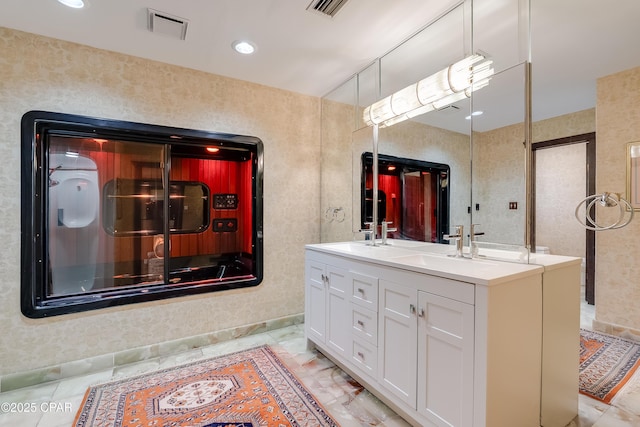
(606, 364)
(251, 388)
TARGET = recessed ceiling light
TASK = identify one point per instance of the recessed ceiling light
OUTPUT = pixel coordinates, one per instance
(475, 113)
(244, 47)
(76, 4)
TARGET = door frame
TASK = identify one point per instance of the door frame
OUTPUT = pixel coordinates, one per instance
(590, 244)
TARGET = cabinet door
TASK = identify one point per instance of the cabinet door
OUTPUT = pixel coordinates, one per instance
(397, 345)
(338, 311)
(445, 360)
(315, 301)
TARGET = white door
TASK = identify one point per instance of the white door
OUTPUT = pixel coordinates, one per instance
(445, 360)
(398, 340)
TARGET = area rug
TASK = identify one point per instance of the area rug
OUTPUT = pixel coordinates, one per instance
(250, 388)
(606, 364)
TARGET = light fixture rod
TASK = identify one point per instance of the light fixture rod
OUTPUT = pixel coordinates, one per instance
(374, 196)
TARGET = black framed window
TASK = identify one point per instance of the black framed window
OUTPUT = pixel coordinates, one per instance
(116, 212)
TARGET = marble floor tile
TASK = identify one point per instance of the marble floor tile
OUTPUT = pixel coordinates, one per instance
(57, 403)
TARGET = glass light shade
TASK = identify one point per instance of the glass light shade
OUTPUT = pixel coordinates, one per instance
(433, 87)
(393, 120)
(378, 112)
(405, 100)
(422, 110)
(443, 88)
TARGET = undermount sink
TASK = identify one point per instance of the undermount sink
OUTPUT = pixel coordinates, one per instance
(362, 247)
(431, 260)
(404, 243)
(393, 248)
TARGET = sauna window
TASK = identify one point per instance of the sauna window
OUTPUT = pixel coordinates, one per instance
(117, 213)
(412, 194)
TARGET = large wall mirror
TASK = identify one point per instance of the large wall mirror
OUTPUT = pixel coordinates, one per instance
(452, 135)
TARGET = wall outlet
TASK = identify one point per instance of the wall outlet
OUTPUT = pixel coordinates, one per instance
(513, 205)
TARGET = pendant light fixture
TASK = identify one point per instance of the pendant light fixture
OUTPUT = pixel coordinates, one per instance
(437, 91)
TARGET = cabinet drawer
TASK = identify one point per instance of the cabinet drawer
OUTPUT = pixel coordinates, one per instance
(365, 357)
(364, 324)
(364, 290)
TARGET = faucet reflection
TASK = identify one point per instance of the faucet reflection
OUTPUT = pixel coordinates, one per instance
(458, 237)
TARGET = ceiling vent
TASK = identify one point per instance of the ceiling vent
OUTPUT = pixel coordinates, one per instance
(327, 7)
(168, 25)
(448, 110)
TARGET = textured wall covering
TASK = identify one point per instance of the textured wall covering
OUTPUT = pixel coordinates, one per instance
(617, 266)
(560, 185)
(572, 124)
(46, 74)
(498, 179)
(498, 172)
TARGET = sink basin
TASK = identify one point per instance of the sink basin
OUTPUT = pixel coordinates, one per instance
(363, 248)
(424, 259)
(405, 243)
(434, 260)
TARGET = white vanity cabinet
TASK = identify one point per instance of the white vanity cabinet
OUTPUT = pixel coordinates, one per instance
(327, 306)
(426, 345)
(442, 341)
(445, 360)
(364, 322)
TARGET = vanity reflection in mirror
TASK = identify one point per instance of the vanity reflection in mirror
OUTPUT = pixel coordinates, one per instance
(101, 199)
(413, 197)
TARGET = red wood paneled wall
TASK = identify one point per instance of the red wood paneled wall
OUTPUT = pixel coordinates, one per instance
(219, 175)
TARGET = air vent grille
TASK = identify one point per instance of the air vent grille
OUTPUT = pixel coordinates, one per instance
(327, 7)
(166, 24)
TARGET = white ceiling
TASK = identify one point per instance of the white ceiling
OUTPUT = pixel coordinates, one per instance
(573, 41)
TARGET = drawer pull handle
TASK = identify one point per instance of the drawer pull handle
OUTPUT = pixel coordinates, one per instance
(361, 323)
(361, 355)
(412, 308)
(421, 312)
(361, 290)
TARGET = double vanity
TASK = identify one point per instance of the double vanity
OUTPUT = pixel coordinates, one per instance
(449, 341)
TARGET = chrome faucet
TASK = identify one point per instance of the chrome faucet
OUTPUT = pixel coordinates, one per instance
(385, 230)
(473, 234)
(369, 233)
(472, 239)
(458, 237)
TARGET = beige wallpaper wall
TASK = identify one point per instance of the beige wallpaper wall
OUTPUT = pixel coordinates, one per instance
(498, 169)
(46, 74)
(617, 251)
(498, 179)
(560, 185)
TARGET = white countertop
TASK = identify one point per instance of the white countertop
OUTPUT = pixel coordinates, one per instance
(435, 259)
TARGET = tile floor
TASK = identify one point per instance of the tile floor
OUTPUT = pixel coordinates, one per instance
(56, 403)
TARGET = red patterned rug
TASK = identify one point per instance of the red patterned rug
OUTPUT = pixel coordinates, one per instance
(251, 388)
(606, 364)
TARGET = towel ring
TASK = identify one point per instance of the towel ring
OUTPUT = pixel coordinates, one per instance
(606, 200)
